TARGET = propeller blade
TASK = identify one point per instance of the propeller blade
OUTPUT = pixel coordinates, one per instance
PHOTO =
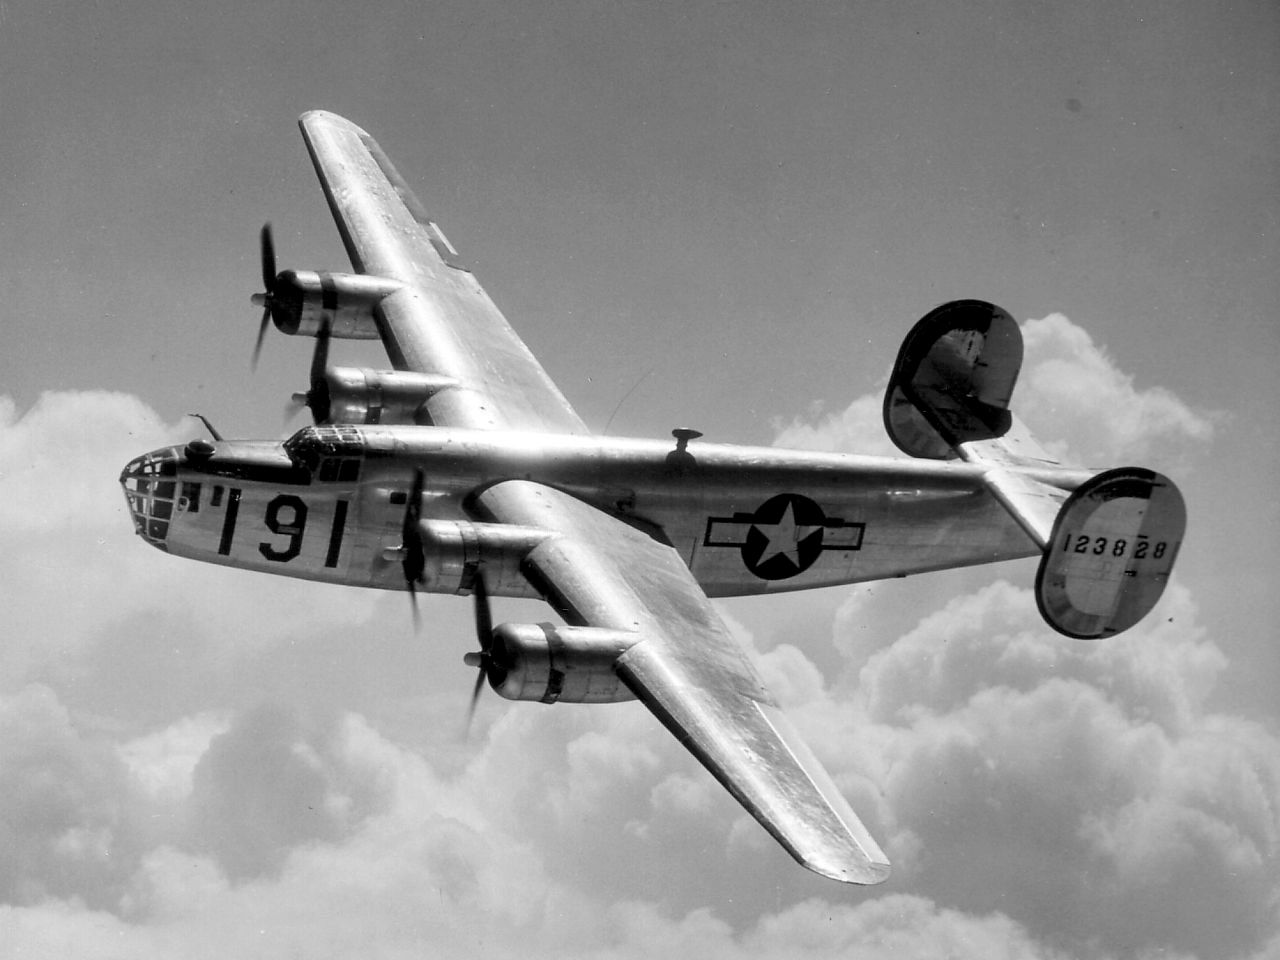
(297, 403)
(267, 246)
(484, 632)
(317, 397)
(262, 332)
(475, 697)
(411, 542)
(413, 509)
(484, 615)
(320, 358)
(267, 253)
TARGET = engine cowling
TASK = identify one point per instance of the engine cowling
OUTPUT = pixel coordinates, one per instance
(551, 663)
(357, 395)
(303, 301)
(453, 550)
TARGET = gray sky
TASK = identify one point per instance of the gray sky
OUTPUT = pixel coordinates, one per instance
(723, 216)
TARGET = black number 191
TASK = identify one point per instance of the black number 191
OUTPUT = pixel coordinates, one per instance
(291, 525)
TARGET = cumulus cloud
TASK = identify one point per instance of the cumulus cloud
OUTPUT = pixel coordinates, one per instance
(423, 868)
(181, 774)
(1074, 390)
(266, 786)
(1084, 787)
(70, 820)
(71, 554)
(858, 428)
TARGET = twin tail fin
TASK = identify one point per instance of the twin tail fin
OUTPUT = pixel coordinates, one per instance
(1109, 539)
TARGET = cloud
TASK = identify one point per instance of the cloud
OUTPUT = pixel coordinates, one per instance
(1071, 389)
(858, 428)
(1037, 791)
(194, 758)
(266, 786)
(70, 821)
(71, 554)
(1082, 786)
(424, 870)
(162, 762)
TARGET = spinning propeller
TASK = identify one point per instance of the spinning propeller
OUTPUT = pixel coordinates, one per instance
(317, 398)
(266, 299)
(413, 563)
(484, 657)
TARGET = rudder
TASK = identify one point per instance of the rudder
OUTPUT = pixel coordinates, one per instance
(1112, 551)
(953, 378)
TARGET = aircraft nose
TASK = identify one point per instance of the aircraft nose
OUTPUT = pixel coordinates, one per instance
(150, 488)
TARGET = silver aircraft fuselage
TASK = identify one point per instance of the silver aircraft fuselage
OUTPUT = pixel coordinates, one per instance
(328, 504)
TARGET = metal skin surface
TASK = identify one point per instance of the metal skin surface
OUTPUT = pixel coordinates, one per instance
(916, 516)
(441, 321)
(466, 471)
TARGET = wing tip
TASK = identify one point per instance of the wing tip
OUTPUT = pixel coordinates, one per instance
(837, 845)
(314, 117)
(865, 871)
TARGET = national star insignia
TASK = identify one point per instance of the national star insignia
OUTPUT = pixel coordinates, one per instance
(785, 536)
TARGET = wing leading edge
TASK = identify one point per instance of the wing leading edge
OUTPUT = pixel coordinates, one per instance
(441, 321)
(690, 672)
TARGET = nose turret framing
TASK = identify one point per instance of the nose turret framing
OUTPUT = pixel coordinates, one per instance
(150, 487)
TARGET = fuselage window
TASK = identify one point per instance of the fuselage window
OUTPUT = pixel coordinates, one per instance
(191, 496)
(216, 499)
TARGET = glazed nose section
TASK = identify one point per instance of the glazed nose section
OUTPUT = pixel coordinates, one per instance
(150, 488)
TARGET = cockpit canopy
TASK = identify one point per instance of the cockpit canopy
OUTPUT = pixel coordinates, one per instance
(328, 453)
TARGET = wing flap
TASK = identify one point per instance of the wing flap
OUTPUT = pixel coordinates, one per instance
(690, 672)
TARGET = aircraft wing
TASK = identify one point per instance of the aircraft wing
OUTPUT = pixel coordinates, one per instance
(600, 571)
(441, 322)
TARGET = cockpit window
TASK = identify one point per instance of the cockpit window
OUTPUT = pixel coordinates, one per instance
(330, 453)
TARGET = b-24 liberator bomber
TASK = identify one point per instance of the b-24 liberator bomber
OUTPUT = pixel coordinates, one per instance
(464, 470)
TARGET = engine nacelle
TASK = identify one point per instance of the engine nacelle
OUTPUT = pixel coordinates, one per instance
(356, 395)
(302, 301)
(551, 663)
(453, 550)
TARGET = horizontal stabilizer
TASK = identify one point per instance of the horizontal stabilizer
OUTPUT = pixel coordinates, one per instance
(1112, 551)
